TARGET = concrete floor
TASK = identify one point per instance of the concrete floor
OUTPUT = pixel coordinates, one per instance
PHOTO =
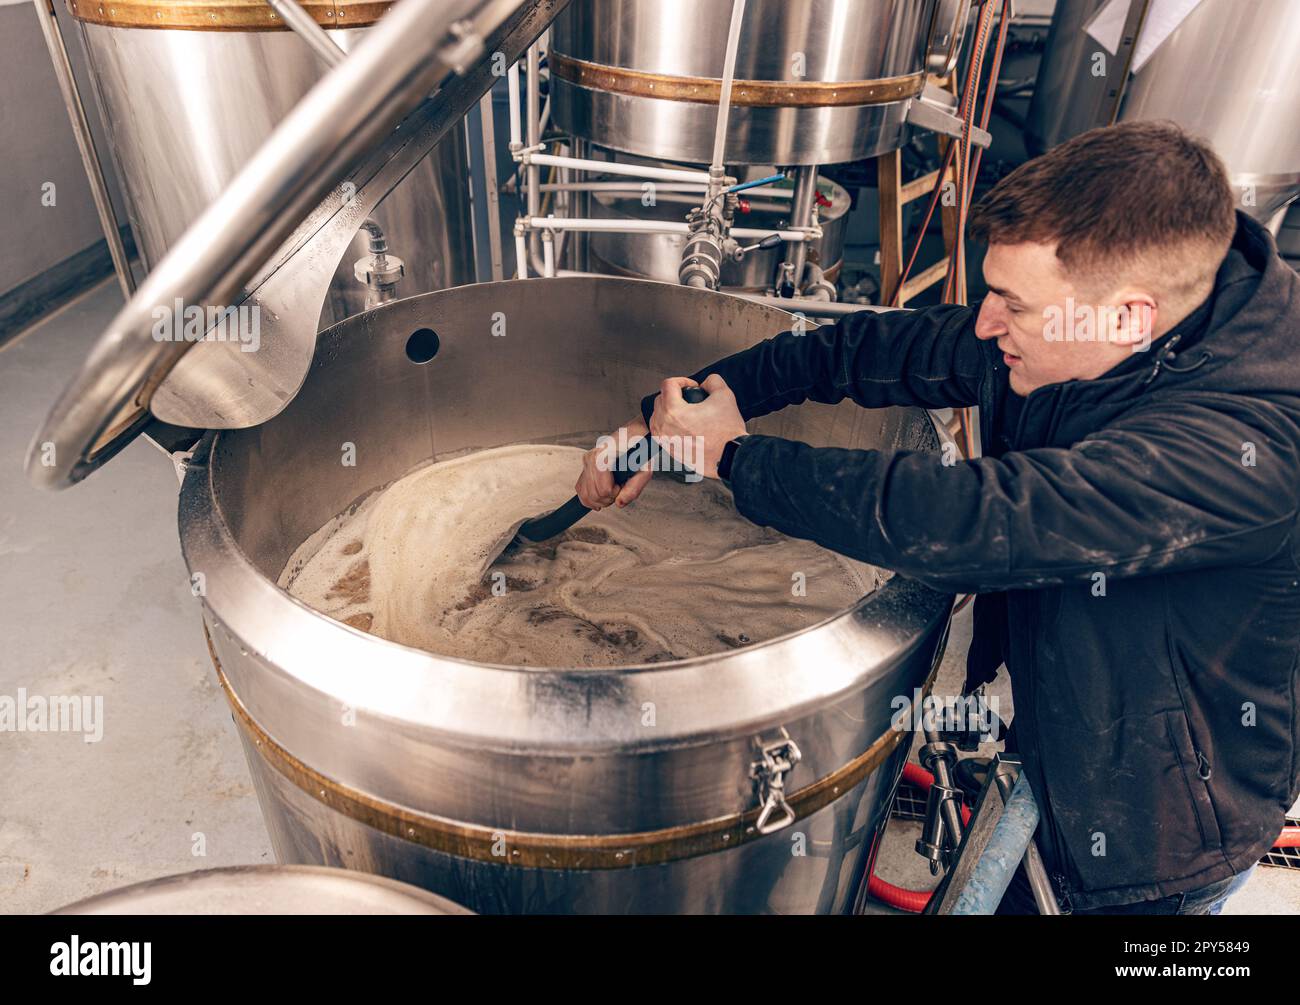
(97, 603)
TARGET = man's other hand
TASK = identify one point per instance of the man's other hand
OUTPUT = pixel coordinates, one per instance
(696, 434)
(596, 486)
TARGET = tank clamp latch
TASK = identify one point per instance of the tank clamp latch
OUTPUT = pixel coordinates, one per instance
(779, 759)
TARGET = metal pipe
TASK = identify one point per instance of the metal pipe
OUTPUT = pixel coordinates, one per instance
(540, 223)
(306, 28)
(532, 112)
(487, 123)
(580, 205)
(614, 167)
(85, 145)
(801, 215)
(690, 187)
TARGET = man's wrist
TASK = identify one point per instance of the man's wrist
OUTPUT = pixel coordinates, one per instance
(728, 458)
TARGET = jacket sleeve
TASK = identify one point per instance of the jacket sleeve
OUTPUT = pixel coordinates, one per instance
(1165, 490)
(928, 357)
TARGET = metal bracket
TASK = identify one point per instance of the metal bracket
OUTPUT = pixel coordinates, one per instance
(933, 109)
(779, 759)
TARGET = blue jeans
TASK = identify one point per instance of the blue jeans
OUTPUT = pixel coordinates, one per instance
(1207, 900)
(1238, 881)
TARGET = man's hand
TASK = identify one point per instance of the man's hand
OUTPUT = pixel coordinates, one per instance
(696, 434)
(596, 486)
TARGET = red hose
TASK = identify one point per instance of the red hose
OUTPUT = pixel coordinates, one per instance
(912, 901)
(1289, 838)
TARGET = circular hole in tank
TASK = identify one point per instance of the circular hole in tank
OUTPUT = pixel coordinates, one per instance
(422, 346)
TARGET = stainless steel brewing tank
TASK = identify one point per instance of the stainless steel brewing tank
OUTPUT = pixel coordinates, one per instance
(659, 256)
(817, 81)
(189, 92)
(1227, 73)
(266, 889)
(523, 789)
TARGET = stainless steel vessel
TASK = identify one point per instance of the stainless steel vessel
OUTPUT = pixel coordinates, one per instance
(659, 256)
(1226, 72)
(190, 92)
(817, 81)
(662, 787)
(266, 889)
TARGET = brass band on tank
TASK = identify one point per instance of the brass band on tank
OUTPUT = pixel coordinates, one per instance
(222, 15)
(748, 93)
(528, 850)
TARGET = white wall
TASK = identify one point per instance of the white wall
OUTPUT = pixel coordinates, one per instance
(37, 146)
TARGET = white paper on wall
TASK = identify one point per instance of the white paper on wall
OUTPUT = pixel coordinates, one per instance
(1163, 16)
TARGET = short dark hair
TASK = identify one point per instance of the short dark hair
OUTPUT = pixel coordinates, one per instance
(1115, 196)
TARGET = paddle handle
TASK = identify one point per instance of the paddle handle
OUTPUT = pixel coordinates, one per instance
(624, 471)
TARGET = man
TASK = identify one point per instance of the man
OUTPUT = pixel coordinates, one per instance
(1132, 526)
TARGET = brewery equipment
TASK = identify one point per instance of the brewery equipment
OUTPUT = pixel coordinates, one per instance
(1224, 70)
(188, 94)
(754, 779)
(266, 889)
(682, 786)
(817, 81)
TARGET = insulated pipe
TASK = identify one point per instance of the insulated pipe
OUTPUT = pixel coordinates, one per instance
(548, 252)
(521, 255)
(1007, 846)
(306, 28)
(512, 82)
(728, 75)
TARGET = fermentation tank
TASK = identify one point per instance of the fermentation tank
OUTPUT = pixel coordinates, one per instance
(516, 788)
(817, 81)
(190, 91)
(1227, 73)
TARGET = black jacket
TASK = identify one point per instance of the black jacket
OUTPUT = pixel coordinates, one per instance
(1134, 539)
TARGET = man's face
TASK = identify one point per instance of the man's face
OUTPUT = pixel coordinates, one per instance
(1049, 332)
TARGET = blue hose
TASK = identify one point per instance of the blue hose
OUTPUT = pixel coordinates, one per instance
(755, 183)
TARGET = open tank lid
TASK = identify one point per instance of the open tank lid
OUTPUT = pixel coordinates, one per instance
(267, 889)
(261, 246)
